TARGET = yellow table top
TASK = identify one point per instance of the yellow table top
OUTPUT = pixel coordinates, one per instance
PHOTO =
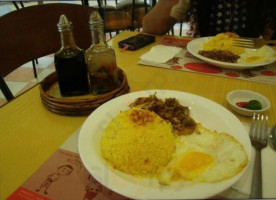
(30, 133)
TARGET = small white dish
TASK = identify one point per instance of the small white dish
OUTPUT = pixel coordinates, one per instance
(236, 96)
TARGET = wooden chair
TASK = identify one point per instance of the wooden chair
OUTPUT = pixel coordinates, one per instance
(34, 62)
(114, 20)
(125, 15)
(137, 8)
(37, 35)
(16, 6)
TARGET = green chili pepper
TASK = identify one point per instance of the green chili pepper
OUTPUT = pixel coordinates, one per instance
(254, 105)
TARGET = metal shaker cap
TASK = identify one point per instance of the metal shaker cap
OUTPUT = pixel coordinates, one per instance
(95, 20)
(64, 24)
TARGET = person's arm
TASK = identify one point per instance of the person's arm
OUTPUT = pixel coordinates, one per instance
(158, 20)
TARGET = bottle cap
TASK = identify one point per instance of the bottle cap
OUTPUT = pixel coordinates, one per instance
(95, 20)
(64, 24)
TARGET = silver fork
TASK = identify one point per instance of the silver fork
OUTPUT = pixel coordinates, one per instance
(258, 135)
(253, 43)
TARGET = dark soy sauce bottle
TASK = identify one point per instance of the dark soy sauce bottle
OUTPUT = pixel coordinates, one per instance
(70, 63)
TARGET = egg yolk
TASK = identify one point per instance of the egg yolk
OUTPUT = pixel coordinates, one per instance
(193, 164)
(252, 59)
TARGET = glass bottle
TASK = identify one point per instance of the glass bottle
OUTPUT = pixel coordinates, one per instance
(100, 59)
(70, 63)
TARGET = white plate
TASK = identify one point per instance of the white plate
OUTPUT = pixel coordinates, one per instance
(195, 46)
(209, 113)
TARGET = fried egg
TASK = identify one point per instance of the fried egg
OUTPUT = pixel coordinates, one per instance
(257, 55)
(207, 156)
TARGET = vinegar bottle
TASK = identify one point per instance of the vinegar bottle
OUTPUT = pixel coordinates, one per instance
(70, 63)
(100, 59)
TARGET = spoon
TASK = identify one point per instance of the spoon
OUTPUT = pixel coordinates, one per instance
(272, 138)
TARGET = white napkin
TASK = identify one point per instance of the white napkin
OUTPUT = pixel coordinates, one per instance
(160, 53)
(243, 185)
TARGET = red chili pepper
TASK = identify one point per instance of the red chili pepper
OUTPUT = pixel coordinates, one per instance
(242, 104)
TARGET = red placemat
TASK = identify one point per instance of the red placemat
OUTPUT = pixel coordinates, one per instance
(184, 61)
(63, 177)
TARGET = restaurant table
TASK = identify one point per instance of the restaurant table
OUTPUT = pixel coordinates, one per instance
(30, 133)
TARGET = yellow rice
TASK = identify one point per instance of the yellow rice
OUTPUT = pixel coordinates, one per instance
(138, 148)
(223, 42)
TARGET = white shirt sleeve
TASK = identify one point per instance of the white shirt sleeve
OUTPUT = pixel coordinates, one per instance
(178, 10)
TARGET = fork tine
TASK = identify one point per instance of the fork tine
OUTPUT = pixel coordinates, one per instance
(266, 129)
(241, 42)
(243, 45)
(257, 128)
(260, 122)
(252, 126)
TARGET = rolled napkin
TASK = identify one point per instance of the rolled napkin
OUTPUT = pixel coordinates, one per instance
(160, 53)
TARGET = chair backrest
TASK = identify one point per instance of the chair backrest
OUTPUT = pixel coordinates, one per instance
(31, 32)
(114, 20)
(137, 8)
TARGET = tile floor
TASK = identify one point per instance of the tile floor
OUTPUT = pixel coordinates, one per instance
(22, 78)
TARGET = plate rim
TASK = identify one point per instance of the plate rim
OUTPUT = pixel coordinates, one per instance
(207, 194)
(221, 63)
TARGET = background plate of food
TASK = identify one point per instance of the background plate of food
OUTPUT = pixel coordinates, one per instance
(218, 51)
(129, 147)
